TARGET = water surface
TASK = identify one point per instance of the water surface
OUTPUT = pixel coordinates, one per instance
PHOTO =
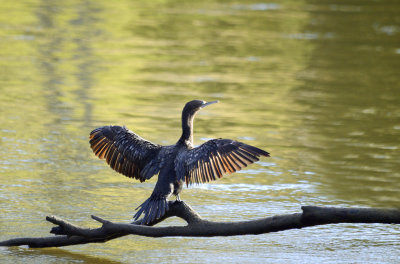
(313, 83)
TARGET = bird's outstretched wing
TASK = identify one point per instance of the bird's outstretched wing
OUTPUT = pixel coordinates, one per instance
(126, 152)
(215, 158)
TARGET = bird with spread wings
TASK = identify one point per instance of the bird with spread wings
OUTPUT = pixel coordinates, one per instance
(135, 157)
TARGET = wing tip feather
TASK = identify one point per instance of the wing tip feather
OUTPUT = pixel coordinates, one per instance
(123, 150)
(218, 157)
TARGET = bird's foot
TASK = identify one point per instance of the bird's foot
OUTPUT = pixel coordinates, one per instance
(178, 199)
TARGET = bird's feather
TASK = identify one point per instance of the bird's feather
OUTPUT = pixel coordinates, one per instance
(215, 158)
(126, 152)
(156, 206)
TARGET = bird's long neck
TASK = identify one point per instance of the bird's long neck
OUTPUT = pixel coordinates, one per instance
(187, 128)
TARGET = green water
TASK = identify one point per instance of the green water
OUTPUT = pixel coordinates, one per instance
(314, 83)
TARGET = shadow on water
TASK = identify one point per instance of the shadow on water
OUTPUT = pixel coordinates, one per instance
(53, 255)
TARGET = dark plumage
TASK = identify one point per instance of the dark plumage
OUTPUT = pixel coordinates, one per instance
(135, 157)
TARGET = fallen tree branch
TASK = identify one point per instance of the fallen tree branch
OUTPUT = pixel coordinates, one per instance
(70, 234)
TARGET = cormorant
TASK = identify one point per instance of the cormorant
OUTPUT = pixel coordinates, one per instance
(135, 157)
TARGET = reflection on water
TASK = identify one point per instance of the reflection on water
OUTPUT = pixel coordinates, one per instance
(315, 84)
(351, 90)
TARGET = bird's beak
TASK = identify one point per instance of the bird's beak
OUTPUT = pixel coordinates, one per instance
(208, 103)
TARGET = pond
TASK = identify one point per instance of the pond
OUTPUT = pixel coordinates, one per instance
(314, 83)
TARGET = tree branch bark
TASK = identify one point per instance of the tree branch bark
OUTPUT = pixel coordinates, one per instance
(70, 234)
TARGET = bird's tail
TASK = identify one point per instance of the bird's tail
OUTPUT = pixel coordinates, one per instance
(152, 209)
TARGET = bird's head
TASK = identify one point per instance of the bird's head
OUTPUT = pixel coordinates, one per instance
(188, 113)
(192, 107)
